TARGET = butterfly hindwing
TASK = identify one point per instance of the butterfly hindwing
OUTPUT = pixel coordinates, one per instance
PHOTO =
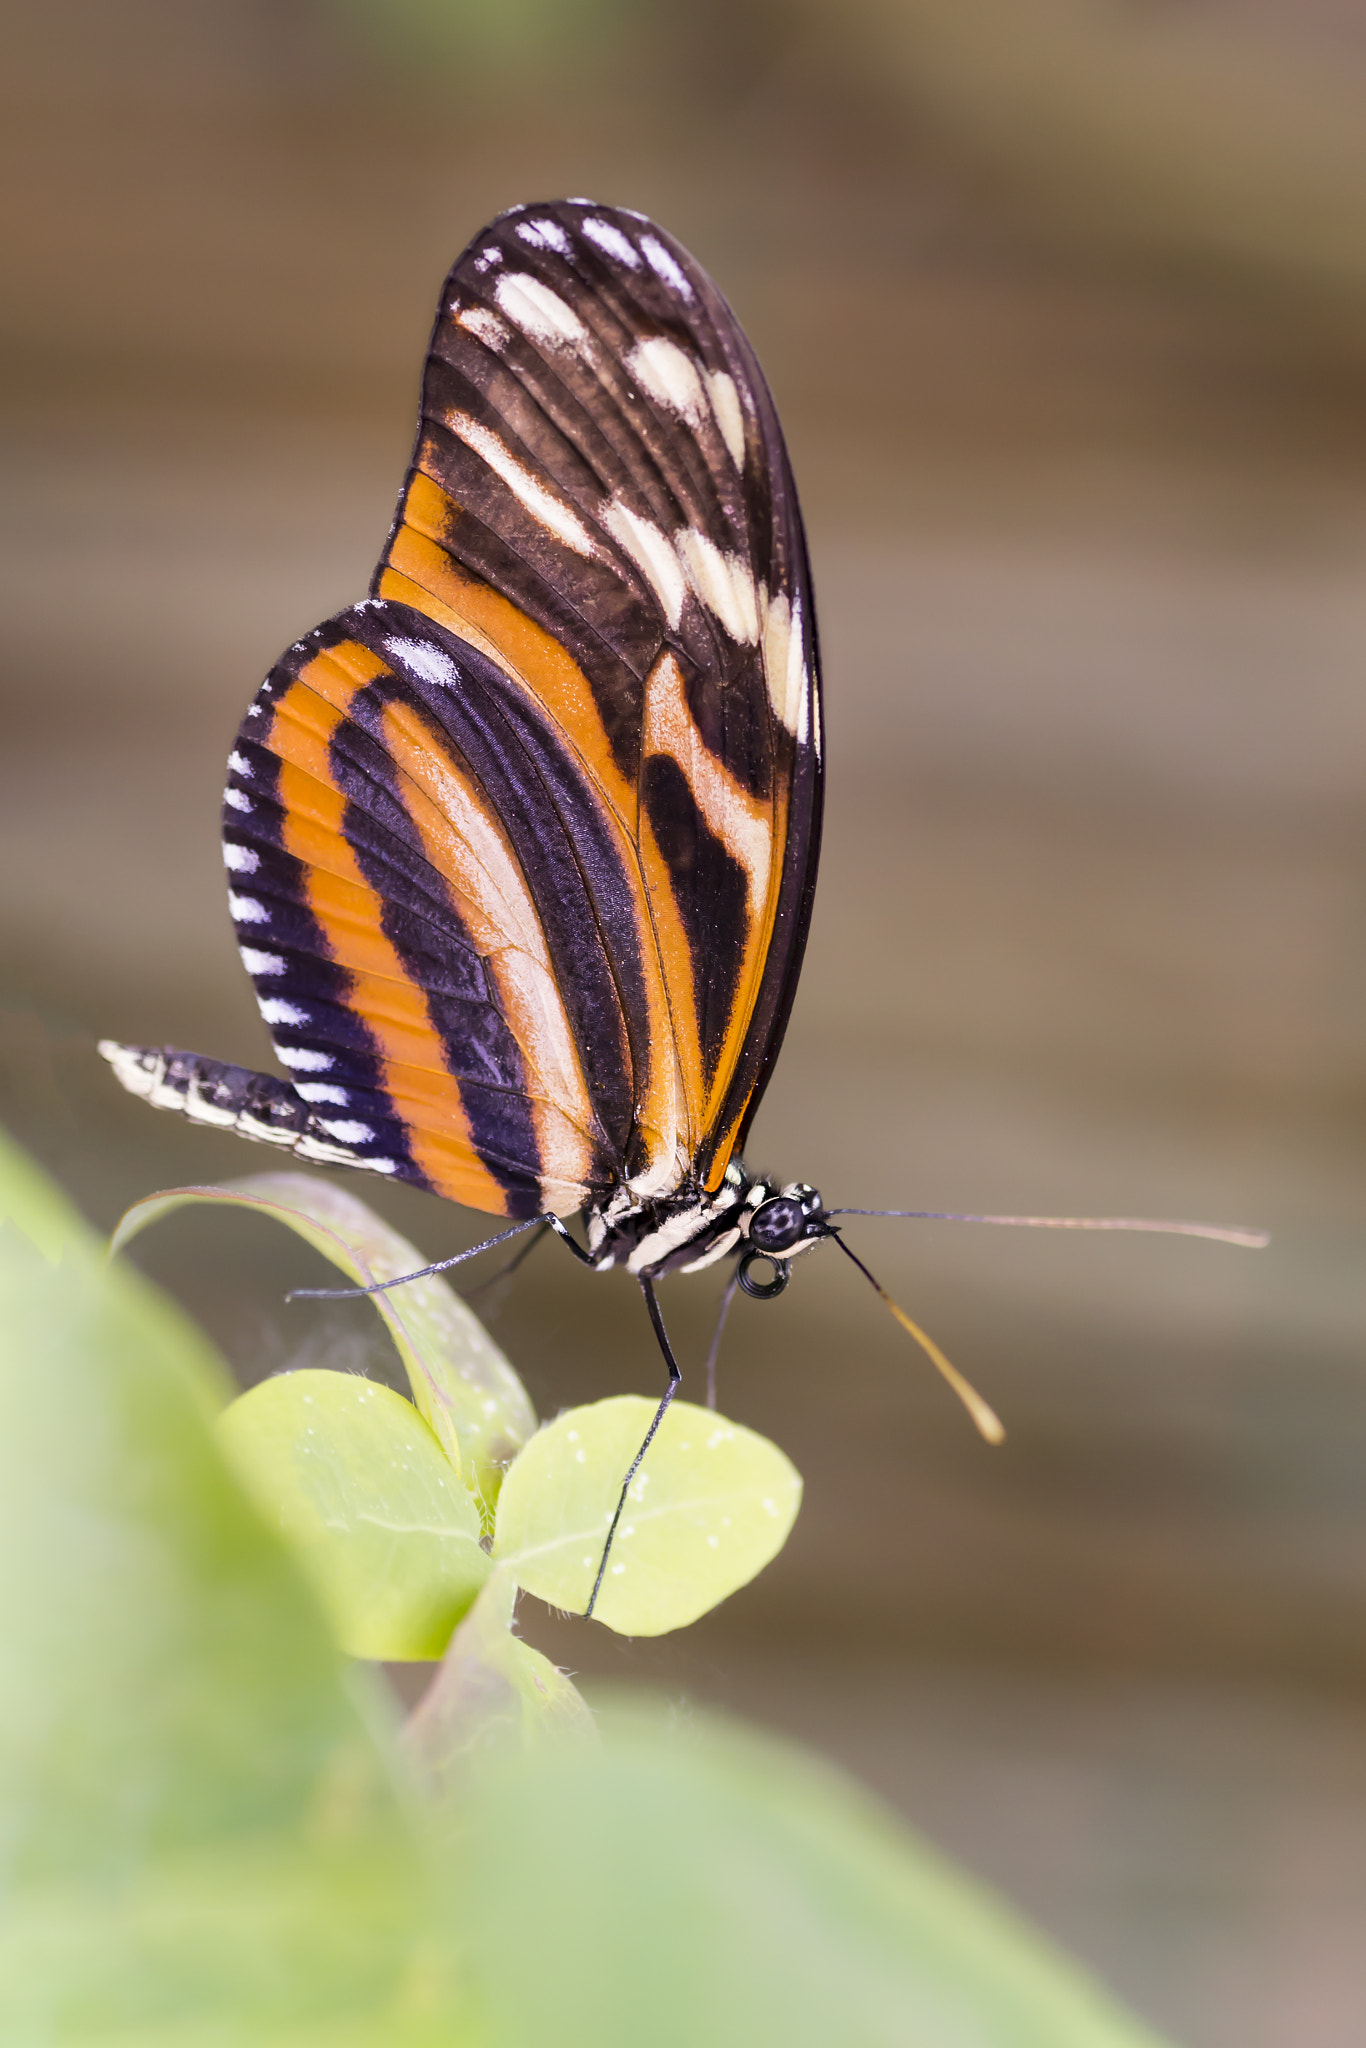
(421, 970)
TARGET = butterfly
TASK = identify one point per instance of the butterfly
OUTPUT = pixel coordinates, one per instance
(521, 848)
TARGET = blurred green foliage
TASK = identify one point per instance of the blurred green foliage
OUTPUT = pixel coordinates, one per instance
(212, 1838)
(502, 40)
(200, 1829)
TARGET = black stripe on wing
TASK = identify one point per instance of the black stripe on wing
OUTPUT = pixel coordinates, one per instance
(711, 890)
(302, 993)
(585, 378)
(585, 898)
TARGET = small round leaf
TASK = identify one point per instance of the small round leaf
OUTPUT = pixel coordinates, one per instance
(710, 1506)
(359, 1487)
(460, 1380)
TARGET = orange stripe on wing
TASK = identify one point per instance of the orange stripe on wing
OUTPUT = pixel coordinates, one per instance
(517, 643)
(723, 1143)
(745, 826)
(756, 957)
(424, 1094)
(671, 1099)
(467, 845)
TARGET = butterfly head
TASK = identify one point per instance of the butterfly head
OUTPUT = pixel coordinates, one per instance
(782, 1224)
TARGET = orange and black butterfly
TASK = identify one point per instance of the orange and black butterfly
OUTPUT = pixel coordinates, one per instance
(522, 847)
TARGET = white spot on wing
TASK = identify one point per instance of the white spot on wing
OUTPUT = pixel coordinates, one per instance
(538, 311)
(725, 403)
(346, 1130)
(483, 324)
(240, 860)
(670, 376)
(304, 1059)
(236, 762)
(488, 259)
(247, 910)
(237, 801)
(723, 583)
(276, 1010)
(323, 1091)
(652, 554)
(422, 659)
(552, 512)
(663, 265)
(544, 234)
(784, 667)
(261, 963)
(612, 242)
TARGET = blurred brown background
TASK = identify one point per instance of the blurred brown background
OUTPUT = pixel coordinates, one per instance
(1064, 303)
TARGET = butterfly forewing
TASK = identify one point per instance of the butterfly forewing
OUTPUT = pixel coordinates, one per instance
(522, 847)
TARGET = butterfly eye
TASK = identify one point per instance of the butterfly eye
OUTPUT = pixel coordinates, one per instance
(777, 1225)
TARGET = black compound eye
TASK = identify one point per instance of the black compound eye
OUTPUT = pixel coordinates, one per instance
(777, 1225)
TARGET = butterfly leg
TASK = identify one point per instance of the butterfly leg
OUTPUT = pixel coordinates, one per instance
(441, 1266)
(675, 1377)
(562, 1231)
(505, 1272)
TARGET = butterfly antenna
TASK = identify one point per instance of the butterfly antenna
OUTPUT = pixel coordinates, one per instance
(1221, 1233)
(988, 1422)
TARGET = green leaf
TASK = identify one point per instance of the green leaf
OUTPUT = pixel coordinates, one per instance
(29, 1200)
(353, 1478)
(492, 1689)
(461, 1382)
(202, 1842)
(694, 1882)
(711, 1505)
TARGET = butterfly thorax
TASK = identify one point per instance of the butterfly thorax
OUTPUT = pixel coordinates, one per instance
(684, 1231)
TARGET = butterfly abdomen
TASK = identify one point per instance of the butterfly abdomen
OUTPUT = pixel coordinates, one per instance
(254, 1105)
